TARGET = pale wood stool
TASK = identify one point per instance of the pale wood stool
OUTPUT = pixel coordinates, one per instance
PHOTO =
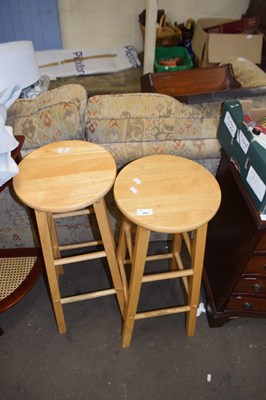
(170, 194)
(63, 179)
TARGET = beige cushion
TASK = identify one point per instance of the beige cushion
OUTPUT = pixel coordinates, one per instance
(55, 115)
(246, 72)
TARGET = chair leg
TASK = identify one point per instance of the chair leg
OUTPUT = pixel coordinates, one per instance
(138, 265)
(109, 247)
(197, 258)
(47, 249)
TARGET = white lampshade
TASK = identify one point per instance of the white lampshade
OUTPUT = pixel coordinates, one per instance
(18, 64)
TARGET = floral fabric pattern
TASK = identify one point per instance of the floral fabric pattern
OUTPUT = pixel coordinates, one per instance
(135, 125)
(53, 116)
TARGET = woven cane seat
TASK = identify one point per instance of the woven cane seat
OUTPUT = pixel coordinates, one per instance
(18, 273)
(13, 271)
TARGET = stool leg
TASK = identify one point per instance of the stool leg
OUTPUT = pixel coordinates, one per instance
(109, 247)
(47, 249)
(197, 258)
(54, 241)
(121, 253)
(138, 265)
(176, 248)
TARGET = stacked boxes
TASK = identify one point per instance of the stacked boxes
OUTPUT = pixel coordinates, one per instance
(244, 148)
(211, 49)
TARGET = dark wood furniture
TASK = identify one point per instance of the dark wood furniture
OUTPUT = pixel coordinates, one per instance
(258, 7)
(199, 85)
(235, 258)
(19, 268)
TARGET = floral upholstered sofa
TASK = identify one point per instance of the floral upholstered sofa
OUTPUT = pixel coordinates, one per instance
(129, 126)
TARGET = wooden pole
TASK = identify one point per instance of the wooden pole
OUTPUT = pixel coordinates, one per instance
(150, 35)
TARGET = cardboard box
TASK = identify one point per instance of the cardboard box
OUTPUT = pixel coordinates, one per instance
(246, 150)
(212, 48)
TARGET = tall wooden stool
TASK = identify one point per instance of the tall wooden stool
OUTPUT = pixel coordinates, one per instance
(61, 180)
(169, 194)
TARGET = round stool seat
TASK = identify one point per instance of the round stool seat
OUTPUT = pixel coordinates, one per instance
(65, 176)
(165, 193)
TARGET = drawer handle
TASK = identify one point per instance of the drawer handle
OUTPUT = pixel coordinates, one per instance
(256, 287)
(247, 306)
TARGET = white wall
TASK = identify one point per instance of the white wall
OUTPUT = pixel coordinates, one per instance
(104, 23)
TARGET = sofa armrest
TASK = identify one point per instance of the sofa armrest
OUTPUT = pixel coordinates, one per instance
(54, 116)
(246, 72)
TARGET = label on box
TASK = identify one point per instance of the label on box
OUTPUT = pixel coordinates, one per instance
(242, 141)
(256, 183)
(230, 124)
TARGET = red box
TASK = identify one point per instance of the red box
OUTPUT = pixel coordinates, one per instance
(238, 26)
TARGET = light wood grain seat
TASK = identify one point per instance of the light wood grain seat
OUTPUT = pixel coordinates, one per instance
(64, 179)
(163, 193)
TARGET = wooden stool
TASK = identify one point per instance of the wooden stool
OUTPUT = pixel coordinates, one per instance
(63, 179)
(169, 194)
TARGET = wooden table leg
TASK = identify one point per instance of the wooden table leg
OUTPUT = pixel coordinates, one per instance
(47, 249)
(138, 265)
(109, 247)
(197, 258)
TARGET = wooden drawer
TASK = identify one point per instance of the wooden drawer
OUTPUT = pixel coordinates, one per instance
(250, 286)
(261, 245)
(256, 266)
(246, 304)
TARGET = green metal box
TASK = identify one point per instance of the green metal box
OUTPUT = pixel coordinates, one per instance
(245, 149)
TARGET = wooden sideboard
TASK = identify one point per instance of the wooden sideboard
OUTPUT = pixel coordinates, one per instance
(235, 259)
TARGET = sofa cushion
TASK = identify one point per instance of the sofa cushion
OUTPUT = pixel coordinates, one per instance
(134, 125)
(55, 115)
